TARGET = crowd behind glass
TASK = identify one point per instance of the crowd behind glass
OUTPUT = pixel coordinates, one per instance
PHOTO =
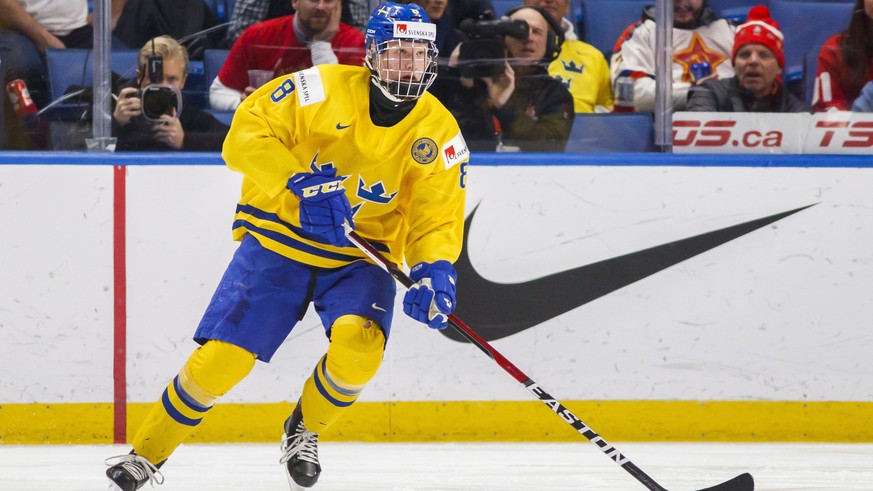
(514, 79)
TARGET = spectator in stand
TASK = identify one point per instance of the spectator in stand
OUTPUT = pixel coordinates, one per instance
(845, 65)
(698, 36)
(356, 13)
(581, 67)
(43, 25)
(758, 58)
(192, 22)
(457, 11)
(514, 104)
(448, 36)
(312, 36)
(27, 29)
(447, 15)
(460, 10)
(864, 102)
(189, 128)
(248, 12)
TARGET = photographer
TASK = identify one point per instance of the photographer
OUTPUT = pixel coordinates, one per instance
(153, 116)
(503, 96)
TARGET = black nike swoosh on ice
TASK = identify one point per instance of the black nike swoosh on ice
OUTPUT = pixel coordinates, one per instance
(498, 310)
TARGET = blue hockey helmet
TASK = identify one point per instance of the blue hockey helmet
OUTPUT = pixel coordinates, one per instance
(401, 53)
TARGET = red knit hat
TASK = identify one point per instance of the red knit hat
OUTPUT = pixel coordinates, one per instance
(760, 28)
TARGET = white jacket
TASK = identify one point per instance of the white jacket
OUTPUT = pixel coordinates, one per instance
(636, 58)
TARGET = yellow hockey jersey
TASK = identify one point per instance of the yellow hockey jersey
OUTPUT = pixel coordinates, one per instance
(406, 183)
(585, 72)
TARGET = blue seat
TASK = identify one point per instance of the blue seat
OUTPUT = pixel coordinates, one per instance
(810, 68)
(613, 132)
(805, 25)
(68, 67)
(503, 6)
(224, 116)
(213, 60)
(735, 11)
(604, 20)
(196, 90)
(719, 5)
(219, 8)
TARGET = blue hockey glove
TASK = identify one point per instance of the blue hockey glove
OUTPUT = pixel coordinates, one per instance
(324, 206)
(432, 298)
(864, 102)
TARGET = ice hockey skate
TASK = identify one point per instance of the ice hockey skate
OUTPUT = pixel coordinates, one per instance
(300, 452)
(131, 472)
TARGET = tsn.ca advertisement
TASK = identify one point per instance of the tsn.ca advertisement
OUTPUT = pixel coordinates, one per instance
(777, 133)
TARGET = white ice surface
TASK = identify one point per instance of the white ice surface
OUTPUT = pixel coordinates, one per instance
(457, 466)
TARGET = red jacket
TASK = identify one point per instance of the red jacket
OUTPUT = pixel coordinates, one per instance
(272, 45)
(833, 86)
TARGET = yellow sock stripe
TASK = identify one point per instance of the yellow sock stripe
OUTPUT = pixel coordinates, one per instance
(330, 390)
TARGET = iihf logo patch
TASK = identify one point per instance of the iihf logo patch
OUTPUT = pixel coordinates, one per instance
(424, 150)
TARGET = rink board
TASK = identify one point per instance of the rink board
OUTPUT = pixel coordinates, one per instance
(761, 338)
(466, 421)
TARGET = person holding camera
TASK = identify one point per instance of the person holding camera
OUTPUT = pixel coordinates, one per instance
(150, 116)
(504, 98)
(580, 66)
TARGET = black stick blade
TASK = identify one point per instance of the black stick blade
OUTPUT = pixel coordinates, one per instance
(743, 482)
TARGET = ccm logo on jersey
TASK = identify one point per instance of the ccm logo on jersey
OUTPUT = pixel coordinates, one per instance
(455, 151)
(327, 187)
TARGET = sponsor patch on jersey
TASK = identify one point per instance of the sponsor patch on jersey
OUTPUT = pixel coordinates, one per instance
(415, 30)
(310, 89)
(455, 151)
(424, 150)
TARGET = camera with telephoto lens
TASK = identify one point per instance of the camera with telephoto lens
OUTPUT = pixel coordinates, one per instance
(157, 99)
(484, 54)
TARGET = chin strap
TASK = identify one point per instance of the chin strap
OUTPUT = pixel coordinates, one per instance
(388, 95)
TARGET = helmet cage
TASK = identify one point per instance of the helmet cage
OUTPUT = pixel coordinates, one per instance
(402, 68)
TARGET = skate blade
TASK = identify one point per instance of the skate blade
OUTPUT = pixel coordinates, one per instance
(294, 485)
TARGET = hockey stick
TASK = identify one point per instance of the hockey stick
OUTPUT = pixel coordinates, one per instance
(743, 482)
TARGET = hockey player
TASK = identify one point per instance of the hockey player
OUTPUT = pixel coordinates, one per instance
(329, 145)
